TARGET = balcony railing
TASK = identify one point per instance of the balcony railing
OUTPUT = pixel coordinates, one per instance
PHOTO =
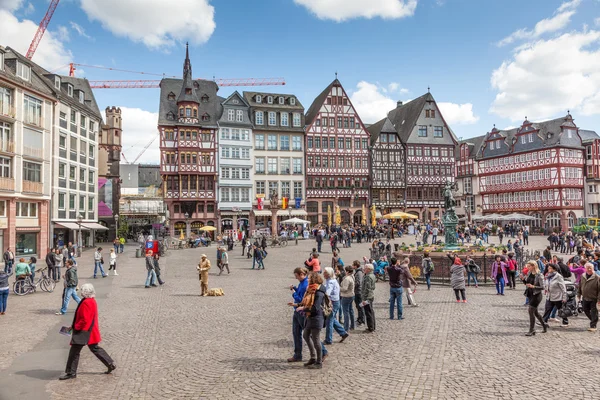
(7, 110)
(32, 119)
(33, 187)
(7, 184)
(33, 152)
(7, 146)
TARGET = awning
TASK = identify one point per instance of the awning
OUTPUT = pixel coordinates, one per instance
(299, 212)
(94, 226)
(262, 213)
(71, 225)
(283, 213)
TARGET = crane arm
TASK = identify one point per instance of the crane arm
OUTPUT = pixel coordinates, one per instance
(124, 158)
(144, 149)
(149, 84)
(41, 29)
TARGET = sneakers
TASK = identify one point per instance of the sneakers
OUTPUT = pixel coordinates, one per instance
(458, 301)
(591, 329)
(564, 325)
(310, 362)
(554, 320)
(60, 313)
(315, 366)
(115, 274)
(464, 301)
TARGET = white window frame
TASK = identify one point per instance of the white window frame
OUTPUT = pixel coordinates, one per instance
(269, 99)
(70, 90)
(230, 115)
(1, 61)
(258, 98)
(57, 82)
(297, 120)
(272, 118)
(81, 97)
(23, 71)
(284, 117)
(239, 116)
(292, 101)
(281, 100)
(259, 118)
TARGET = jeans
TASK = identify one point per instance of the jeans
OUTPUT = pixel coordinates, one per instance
(548, 310)
(348, 312)
(370, 315)
(332, 323)
(312, 338)
(8, 266)
(319, 244)
(434, 239)
(116, 246)
(469, 275)
(151, 278)
(298, 321)
(500, 285)
(359, 310)
(591, 310)
(69, 292)
(396, 297)
(428, 280)
(462, 293)
(32, 267)
(511, 279)
(121, 246)
(3, 300)
(98, 264)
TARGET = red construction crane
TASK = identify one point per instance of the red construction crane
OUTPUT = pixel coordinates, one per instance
(150, 84)
(41, 29)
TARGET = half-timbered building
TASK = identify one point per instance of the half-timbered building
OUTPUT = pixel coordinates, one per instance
(591, 196)
(337, 170)
(187, 122)
(429, 144)
(467, 178)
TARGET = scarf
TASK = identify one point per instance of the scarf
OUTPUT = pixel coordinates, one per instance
(309, 296)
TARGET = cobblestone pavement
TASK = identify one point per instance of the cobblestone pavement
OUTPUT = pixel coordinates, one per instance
(170, 343)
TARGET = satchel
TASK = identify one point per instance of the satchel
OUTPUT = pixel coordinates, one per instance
(83, 337)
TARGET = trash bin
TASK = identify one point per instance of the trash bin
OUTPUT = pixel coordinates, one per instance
(138, 253)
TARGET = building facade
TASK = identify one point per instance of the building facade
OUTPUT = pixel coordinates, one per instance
(235, 164)
(188, 114)
(278, 121)
(27, 119)
(337, 157)
(428, 143)
(109, 172)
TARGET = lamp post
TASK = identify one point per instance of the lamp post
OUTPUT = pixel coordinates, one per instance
(79, 220)
(187, 225)
(116, 226)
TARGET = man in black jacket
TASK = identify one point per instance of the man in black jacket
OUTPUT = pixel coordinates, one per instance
(50, 262)
(71, 282)
(589, 293)
(359, 275)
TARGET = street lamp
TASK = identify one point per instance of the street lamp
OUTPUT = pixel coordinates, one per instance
(187, 225)
(79, 220)
(116, 226)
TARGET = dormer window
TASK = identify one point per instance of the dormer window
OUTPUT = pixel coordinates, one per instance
(23, 71)
(57, 82)
(170, 116)
(281, 100)
(196, 85)
(81, 97)
(205, 117)
(204, 99)
(258, 98)
(270, 99)
(570, 133)
(181, 111)
(171, 96)
(188, 91)
(70, 90)
(293, 101)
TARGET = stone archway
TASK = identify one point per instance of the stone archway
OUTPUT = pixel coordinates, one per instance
(345, 217)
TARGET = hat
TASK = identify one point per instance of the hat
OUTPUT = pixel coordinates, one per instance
(203, 256)
(542, 258)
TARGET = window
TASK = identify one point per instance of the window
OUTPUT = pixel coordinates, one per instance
(272, 165)
(70, 90)
(204, 99)
(422, 131)
(260, 187)
(284, 119)
(296, 142)
(272, 118)
(259, 141)
(332, 142)
(26, 209)
(523, 139)
(317, 142)
(239, 116)
(33, 110)
(281, 100)
(349, 143)
(1, 61)
(26, 244)
(245, 194)
(297, 119)
(5, 169)
(285, 165)
(324, 121)
(61, 201)
(309, 142)
(91, 177)
(284, 142)
(23, 71)
(188, 111)
(72, 202)
(91, 151)
(285, 189)
(32, 171)
(293, 101)
(225, 194)
(438, 131)
(351, 122)
(339, 122)
(57, 82)
(298, 189)
(272, 142)
(297, 164)
(346, 124)
(258, 117)
(225, 173)
(270, 99)
(81, 203)
(81, 97)
(273, 188)
(258, 98)
(82, 174)
(230, 115)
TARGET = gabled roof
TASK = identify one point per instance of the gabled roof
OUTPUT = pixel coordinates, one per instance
(588, 136)
(187, 92)
(405, 117)
(236, 93)
(250, 96)
(314, 108)
(213, 107)
(375, 129)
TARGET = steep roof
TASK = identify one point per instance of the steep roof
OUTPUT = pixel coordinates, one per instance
(250, 96)
(588, 136)
(187, 92)
(314, 108)
(212, 107)
(405, 117)
(375, 129)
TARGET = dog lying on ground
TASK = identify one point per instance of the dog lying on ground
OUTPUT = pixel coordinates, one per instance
(215, 292)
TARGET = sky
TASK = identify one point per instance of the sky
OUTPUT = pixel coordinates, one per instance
(486, 62)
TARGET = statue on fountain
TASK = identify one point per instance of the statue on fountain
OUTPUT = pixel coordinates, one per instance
(449, 219)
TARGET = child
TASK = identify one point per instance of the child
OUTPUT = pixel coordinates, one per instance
(113, 262)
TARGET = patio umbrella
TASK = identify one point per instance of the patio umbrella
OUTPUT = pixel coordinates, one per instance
(208, 228)
(373, 216)
(338, 216)
(329, 215)
(181, 237)
(363, 215)
(293, 221)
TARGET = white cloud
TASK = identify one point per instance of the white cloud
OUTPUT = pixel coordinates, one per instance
(139, 127)
(561, 19)
(341, 10)
(392, 87)
(156, 23)
(50, 54)
(29, 9)
(545, 78)
(62, 33)
(79, 29)
(458, 114)
(10, 5)
(370, 102)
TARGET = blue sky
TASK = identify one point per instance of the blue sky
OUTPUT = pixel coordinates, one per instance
(487, 62)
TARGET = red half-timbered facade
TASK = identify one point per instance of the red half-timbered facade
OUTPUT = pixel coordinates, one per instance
(337, 165)
(188, 115)
(536, 169)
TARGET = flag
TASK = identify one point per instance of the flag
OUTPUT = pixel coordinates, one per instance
(259, 202)
(284, 203)
(298, 201)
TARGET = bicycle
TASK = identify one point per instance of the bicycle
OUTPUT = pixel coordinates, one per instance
(279, 241)
(22, 287)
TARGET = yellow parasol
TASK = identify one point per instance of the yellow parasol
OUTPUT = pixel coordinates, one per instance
(328, 215)
(363, 215)
(208, 228)
(373, 217)
(181, 237)
(338, 216)
(400, 215)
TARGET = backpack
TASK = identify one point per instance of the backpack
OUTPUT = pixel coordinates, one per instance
(564, 270)
(326, 306)
(429, 268)
(512, 265)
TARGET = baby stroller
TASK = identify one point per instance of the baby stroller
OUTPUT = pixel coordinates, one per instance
(570, 308)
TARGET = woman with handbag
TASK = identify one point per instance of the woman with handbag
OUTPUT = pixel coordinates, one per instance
(535, 285)
(311, 305)
(86, 332)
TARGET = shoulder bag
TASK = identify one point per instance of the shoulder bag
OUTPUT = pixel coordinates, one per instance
(83, 337)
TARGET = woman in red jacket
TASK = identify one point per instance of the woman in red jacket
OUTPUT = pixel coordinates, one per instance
(86, 332)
